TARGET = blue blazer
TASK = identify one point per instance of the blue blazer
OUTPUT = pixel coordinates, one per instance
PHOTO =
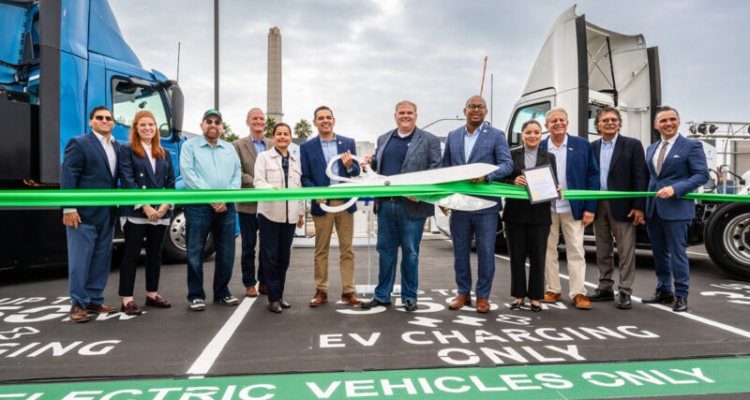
(685, 169)
(627, 173)
(491, 147)
(136, 173)
(581, 172)
(314, 167)
(423, 154)
(85, 166)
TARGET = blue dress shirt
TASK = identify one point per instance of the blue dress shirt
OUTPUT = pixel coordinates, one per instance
(259, 146)
(605, 158)
(206, 167)
(470, 140)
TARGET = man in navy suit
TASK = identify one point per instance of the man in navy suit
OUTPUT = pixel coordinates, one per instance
(90, 162)
(576, 169)
(315, 155)
(676, 166)
(401, 219)
(622, 167)
(476, 142)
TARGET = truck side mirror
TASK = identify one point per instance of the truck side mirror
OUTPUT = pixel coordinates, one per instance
(177, 100)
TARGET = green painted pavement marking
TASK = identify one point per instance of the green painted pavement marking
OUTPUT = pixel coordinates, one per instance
(540, 382)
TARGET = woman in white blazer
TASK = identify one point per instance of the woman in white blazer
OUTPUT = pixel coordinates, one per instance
(277, 168)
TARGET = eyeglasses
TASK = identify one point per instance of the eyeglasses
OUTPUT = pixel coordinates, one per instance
(476, 107)
(102, 118)
(212, 121)
(608, 120)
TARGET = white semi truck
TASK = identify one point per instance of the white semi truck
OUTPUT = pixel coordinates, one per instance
(582, 68)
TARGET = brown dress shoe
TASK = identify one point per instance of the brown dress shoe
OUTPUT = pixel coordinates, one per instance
(131, 308)
(251, 292)
(262, 288)
(100, 309)
(351, 298)
(275, 307)
(483, 305)
(158, 302)
(77, 314)
(460, 301)
(284, 304)
(581, 302)
(551, 297)
(320, 298)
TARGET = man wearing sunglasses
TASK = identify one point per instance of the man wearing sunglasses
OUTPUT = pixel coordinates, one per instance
(207, 162)
(617, 218)
(90, 162)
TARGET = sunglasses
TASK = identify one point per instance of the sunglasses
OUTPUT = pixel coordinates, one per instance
(102, 118)
(212, 121)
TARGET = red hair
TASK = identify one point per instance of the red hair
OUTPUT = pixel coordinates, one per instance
(135, 140)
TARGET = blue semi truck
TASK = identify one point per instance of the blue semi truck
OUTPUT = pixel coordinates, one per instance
(58, 60)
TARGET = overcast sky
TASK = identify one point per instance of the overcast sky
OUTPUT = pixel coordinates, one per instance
(362, 57)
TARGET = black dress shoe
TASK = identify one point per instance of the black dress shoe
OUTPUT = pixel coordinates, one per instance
(623, 301)
(660, 297)
(410, 305)
(284, 304)
(375, 302)
(680, 304)
(275, 307)
(536, 308)
(602, 295)
(516, 306)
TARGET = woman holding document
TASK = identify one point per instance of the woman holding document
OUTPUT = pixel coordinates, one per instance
(527, 225)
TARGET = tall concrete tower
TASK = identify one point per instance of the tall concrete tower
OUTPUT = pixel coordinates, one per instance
(273, 99)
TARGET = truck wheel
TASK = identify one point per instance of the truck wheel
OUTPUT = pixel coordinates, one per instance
(175, 250)
(727, 239)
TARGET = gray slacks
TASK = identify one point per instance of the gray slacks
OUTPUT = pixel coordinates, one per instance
(606, 229)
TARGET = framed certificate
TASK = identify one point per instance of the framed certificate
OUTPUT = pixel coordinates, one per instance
(541, 184)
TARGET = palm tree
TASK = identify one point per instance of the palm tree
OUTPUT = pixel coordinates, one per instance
(303, 129)
(270, 124)
(227, 133)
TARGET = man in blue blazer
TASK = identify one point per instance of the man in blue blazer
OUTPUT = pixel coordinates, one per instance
(676, 166)
(401, 219)
(576, 169)
(622, 167)
(90, 162)
(476, 142)
(315, 155)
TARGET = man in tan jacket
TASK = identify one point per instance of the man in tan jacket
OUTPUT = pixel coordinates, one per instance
(248, 149)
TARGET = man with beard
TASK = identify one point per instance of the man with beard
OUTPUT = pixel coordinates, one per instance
(207, 162)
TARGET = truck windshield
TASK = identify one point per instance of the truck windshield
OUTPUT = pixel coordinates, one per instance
(128, 99)
(535, 112)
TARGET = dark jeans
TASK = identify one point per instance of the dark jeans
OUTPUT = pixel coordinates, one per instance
(249, 232)
(200, 220)
(134, 235)
(275, 252)
(527, 240)
(89, 260)
(396, 229)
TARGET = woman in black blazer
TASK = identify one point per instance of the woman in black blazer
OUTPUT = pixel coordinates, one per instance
(526, 224)
(144, 164)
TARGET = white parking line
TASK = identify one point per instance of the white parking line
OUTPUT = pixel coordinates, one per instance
(206, 360)
(694, 317)
(695, 253)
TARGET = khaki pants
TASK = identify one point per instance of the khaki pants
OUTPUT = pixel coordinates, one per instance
(344, 222)
(573, 234)
(624, 233)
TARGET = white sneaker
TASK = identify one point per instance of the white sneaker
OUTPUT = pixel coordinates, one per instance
(229, 300)
(197, 305)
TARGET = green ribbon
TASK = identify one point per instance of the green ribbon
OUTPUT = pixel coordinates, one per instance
(112, 197)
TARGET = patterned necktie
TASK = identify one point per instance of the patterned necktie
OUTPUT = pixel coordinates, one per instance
(660, 160)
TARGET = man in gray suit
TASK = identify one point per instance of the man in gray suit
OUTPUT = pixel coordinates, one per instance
(401, 219)
(248, 149)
